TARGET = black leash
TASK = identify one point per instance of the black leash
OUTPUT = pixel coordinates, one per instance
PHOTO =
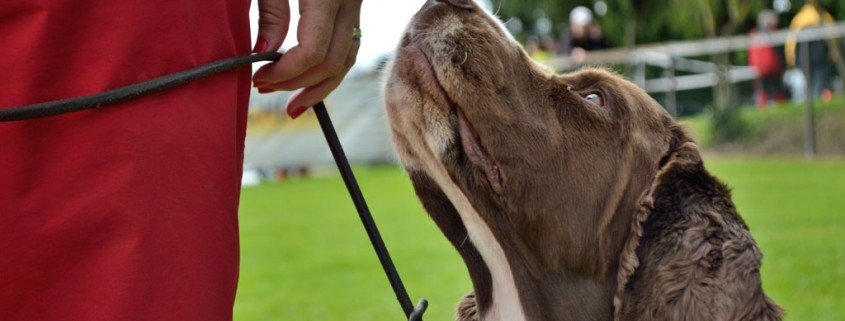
(58, 107)
(129, 92)
(366, 218)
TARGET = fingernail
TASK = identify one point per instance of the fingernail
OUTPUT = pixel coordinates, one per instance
(259, 75)
(258, 83)
(265, 90)
(260, 45)
(296, 112)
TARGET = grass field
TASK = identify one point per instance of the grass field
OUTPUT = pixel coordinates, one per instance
(305, 256)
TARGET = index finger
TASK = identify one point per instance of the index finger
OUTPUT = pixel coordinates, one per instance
(314, 33)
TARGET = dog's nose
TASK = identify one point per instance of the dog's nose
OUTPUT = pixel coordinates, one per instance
(463, 4)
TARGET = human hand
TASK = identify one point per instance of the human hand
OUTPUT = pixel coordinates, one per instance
(325, 52)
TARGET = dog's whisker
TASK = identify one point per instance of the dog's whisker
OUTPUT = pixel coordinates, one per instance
(464, 241)
(466, 56)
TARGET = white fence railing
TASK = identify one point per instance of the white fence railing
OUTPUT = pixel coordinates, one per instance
(702, 47)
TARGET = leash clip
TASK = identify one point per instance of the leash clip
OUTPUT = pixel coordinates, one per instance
(417, 314)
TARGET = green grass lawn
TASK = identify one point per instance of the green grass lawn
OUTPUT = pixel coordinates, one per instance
(304, 255)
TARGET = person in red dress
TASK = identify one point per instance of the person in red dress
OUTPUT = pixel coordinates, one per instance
(130, 212)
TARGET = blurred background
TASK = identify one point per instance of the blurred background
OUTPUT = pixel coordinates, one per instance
(758, 83)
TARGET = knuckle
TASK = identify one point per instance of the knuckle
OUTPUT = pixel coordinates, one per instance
(270, 16)
(335, 67)
(315, 55)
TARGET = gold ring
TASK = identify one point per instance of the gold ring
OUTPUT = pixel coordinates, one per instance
(356, 33)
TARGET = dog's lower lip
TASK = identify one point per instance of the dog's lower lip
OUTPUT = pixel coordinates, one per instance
(469, 142)
(470, 145)
(418, 63)
(416, 53)
(476, 153)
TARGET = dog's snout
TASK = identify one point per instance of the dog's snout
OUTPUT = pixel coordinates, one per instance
(463, 4)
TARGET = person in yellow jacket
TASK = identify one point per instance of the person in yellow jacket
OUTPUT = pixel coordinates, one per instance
(821, 63)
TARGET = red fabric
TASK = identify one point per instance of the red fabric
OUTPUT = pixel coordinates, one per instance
(127, 212)
(763, 57)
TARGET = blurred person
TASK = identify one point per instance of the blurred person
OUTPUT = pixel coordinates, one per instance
(583, 35)
(532, 46)
(130, 212)
(820, 58)
(796, 82)
(766, 60)
(541, 51)
(549, 44)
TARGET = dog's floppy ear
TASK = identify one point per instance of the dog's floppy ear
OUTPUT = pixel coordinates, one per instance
(682, 158)
(702, 263)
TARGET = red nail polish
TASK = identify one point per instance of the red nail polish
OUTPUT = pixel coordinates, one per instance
(296, 112)
(260, 45)
(265, 90)
(257, 83)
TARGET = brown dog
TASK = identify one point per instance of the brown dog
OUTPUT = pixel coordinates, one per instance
(569, 197)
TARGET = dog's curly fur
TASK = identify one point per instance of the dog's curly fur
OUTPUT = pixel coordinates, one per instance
(690, 255)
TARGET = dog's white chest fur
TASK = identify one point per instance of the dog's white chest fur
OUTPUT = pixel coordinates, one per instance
(506, 304)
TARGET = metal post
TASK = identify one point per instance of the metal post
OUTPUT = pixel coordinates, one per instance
(671, 97)
(722, 90)
(809, 117)
(639, 71)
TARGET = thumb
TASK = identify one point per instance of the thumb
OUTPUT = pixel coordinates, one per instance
(273, 24)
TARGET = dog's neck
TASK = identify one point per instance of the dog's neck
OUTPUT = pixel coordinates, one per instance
(578, 282)
(556, 277)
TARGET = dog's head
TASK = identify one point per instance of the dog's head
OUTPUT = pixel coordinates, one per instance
(538, 171)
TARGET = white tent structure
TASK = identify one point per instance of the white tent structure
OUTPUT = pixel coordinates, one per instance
(275, 141)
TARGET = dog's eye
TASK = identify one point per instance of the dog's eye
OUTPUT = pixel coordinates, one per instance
(594, 98)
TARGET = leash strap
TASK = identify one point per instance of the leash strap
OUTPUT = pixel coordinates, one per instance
(413, 314)
(58, 107)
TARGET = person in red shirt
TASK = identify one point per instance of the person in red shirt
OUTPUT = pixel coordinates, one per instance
(767, 61)
(130, 212)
